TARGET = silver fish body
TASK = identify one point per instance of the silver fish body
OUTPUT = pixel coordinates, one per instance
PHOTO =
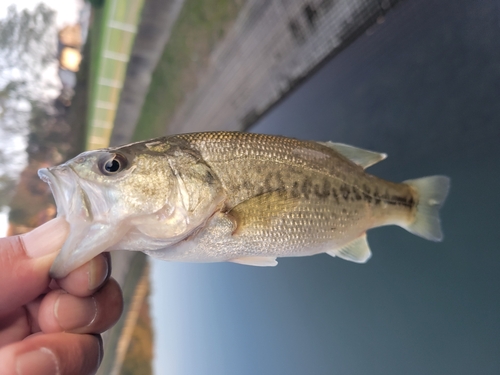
(229, 196)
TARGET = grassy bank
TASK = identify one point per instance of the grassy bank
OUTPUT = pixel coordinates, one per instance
(200, 26)
(112, 35)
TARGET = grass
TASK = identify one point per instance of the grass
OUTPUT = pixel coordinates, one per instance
(96, 34)
(200, 26)
(95, 39)
(112, 37)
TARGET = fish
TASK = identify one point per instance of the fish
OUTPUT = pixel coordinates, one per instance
(233, 197)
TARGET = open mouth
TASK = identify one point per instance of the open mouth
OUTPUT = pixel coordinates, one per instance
(85, 240)
(61, 181)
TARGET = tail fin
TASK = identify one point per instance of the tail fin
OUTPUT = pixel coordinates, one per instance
(432, 192)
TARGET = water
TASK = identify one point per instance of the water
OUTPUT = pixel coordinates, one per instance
(423, 87)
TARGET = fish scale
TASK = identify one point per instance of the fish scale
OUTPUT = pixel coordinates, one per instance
(250, 165)
(230, 196)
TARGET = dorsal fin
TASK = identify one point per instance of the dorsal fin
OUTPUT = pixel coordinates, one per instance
(356, 251)
(363, 158)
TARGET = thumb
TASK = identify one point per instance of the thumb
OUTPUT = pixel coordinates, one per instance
(25, 261)
(46, 239)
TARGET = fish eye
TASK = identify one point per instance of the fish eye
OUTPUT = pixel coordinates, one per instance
(114, 165)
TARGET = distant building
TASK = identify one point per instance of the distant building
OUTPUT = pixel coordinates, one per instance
(71, 36)
(69, 56)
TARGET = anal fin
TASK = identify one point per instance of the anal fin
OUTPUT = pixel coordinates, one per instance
(256, 261)
(356, 251)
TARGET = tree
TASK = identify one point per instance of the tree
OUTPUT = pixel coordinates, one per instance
(28, 64)
(27, 49)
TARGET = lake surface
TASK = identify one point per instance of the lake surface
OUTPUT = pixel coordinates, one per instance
(424, 87)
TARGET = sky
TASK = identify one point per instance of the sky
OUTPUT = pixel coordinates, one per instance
(67, 13)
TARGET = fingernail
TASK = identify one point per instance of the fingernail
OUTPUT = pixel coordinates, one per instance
(98, 271)
(47, 238)
(73, 312)
(42, 362)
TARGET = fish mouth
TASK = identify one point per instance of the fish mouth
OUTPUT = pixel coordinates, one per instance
(73, 204)
(62, 184)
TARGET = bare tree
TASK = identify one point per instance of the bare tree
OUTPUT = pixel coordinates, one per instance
(28, 47)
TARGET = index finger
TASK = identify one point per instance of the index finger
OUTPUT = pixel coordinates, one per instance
(25, 261)
(56, 353)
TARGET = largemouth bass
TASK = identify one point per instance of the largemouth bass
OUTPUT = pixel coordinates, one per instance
(237, 197)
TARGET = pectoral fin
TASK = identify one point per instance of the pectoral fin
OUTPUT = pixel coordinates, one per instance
(259, 212)
(363, 158)
(256, 261)
(356, 251)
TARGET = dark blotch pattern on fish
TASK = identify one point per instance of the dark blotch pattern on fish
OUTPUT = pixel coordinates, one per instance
(356, 193)
(267, 182)
(324, 191)
(280, 182)
(396, 200)
(335, 195)
(345, 191)
(295, 190)
(306, 187)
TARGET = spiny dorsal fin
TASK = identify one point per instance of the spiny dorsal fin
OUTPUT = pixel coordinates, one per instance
(256, 261)
(363, 158)
(356, 251)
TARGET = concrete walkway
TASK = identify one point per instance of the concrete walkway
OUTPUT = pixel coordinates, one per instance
(273, 46)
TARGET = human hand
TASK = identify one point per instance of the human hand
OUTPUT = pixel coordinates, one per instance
(49, 327)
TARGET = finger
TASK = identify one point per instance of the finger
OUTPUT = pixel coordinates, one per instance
(25, 261)
(83, 281)
(60, 311)
(20, 323)
(14, 326)
(56, 353)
